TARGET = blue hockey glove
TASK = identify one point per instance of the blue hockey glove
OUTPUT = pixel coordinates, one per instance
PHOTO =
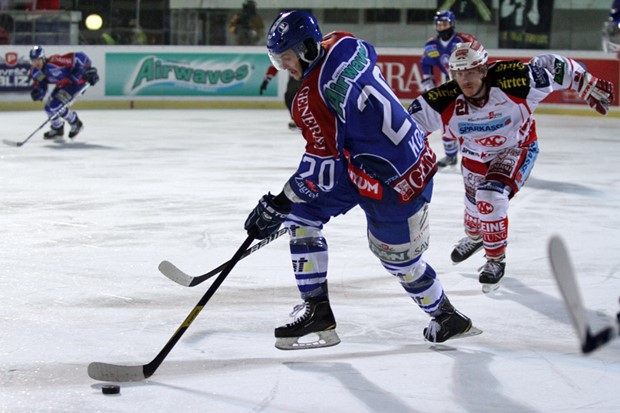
(36, 94)
(267, 216)
(91, 75)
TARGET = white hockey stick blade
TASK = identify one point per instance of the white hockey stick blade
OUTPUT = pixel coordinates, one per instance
(564, 273)
(174, 273)
(12, 143)
(115, 373)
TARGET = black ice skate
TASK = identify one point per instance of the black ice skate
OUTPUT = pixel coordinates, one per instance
(448, 323)
(76, 127)
(465, 248)
(491, 274)
(55, 133)
(317, 319)
(447, 161)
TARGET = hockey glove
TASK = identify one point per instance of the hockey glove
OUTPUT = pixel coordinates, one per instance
(36, 94)
(91, 75)
(267, 216)
(263, 85)
(598, 93)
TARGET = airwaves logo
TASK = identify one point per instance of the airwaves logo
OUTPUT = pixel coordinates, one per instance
(155, 71)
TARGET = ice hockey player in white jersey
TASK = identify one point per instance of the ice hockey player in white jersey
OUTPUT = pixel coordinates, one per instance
(489, 109)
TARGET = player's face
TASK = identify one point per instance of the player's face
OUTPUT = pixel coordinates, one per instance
(442, 25)
(38, 63)
(470, 81)
(290, 62)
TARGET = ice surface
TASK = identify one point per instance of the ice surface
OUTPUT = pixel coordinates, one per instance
(85, 224)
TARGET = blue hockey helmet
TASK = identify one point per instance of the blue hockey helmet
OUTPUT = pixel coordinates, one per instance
(295, 30)
(445, 15)
(37, 52)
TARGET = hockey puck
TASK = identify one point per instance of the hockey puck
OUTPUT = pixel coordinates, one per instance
(110, 389)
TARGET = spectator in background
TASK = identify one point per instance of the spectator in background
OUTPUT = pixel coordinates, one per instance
(611, 30)
(247, 25)
(6, 24)
(437, 52)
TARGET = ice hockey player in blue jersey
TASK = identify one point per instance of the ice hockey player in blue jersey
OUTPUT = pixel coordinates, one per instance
(611, 30)
(69, 73)
(437, 52)
(362, 148)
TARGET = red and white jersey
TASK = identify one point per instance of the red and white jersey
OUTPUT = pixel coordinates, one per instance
(506, 120)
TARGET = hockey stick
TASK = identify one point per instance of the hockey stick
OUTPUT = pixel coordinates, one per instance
(175, 274)
(564, 274)
(51, 118)
(119, 373)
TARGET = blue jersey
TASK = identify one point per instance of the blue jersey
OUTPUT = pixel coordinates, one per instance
(61, 70)
(355, 126)
(437, 53)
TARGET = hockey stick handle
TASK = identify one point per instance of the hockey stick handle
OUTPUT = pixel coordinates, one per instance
(201, 278)
(175, 274)
(151, 367)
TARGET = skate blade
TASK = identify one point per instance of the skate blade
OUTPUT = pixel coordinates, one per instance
(319, 339)
(473, 331)
(489, 288)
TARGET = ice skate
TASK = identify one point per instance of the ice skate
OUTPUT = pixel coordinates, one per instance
(76, 127)
(491, 274)
(448, 323)
(465, 248)
(447, 161)
(54, 133)
(314, 327)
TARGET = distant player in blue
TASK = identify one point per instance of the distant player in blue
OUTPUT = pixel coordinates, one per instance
(437, 52)
(69, 73)
(362, 148)
(611, 30)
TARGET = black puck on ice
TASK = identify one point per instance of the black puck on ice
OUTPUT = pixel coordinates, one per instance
(110, 389)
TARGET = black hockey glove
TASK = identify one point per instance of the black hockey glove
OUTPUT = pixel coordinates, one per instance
(267, 216)
(263, 86)
(598, 93)
(36, 94)
(91, 75)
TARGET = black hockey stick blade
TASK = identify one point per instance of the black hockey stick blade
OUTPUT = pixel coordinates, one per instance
(564, 273)
(175, 274)
(119, 373)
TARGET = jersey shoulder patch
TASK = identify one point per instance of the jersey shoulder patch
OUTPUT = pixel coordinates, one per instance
(511, 76)
(441, 97)
(540, 76)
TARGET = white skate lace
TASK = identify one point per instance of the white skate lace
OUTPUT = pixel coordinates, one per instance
(432, 330)
(296, 310)
(491, 267)
(465, 245)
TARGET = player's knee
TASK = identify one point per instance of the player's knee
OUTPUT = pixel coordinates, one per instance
(417, 277)
(492, 197)
(310, 238)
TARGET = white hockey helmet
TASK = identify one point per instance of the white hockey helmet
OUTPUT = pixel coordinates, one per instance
(467, 56)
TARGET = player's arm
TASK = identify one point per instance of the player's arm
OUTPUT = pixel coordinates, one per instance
(427, 63)
(566, 73)
(39, 85)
